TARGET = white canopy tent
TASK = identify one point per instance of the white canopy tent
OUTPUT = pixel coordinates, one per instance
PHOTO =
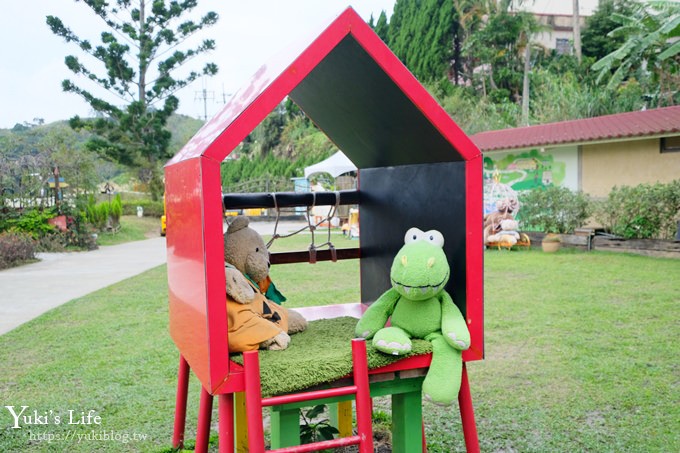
(335, 165)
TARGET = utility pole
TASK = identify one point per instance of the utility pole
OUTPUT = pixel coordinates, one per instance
(225, 95)
(204, 95)
(525, 84)
(577, 31)
(57, 201)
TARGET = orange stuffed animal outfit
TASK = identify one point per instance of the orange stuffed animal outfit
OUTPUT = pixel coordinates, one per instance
(255, 318)
(254, 323)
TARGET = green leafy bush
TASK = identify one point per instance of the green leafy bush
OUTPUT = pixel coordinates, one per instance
(80, 234)
(643, 212)
(7, 215)
(15, 248)
(553, 210)
(33, 222)
(104, 215)
(314, 428)
(103, 212)
(116, 209)
(151, 208)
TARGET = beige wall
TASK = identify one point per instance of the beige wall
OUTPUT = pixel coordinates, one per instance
(626, 164)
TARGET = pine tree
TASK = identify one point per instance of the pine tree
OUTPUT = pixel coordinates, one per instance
(596, 43)
(381, 27)
(138, 55)
(420, 33)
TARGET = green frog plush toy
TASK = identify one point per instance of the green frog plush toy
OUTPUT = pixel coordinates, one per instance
(420, 307)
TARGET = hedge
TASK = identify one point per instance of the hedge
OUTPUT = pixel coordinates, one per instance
(646, 211)
(16, 248)
(151, 208)
(553, 210)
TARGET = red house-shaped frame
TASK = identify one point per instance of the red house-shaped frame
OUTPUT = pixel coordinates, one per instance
(416, 168)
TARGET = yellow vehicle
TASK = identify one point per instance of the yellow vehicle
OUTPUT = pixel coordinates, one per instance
(254, 212)
(250, 212)
(164, 222)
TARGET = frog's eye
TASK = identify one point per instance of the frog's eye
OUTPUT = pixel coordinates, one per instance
(434, 237)
(413, 235)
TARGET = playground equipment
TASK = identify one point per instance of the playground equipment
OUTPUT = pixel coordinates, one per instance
(416, 168)
(500, 198)
(495, 191)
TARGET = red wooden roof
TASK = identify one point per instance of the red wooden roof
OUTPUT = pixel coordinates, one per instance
(609, 127)
(353, 88)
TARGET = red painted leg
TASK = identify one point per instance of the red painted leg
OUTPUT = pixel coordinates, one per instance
(467, 414)
(226, 422)
(424, 440)
(253, 391)
(204, 417)
(181, 403)
(363, 398)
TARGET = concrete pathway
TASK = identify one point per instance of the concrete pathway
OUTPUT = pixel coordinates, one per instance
(266, 228)
(29, 291)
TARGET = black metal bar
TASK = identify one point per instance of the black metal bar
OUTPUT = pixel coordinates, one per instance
(321, 255)
(289, 199)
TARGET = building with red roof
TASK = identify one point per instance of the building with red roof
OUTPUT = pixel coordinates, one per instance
(592, 154)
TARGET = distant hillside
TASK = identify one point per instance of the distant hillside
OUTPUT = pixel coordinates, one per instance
(31, 139)
(183, 128)
(25, 139)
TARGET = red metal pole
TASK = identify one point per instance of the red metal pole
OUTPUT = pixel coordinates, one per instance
(424, 440)
(363, 401)
(318, 446)
(467, 414)
(226, 422)
(181, 403)
(204, 417)
(309, 396)
(253, 391)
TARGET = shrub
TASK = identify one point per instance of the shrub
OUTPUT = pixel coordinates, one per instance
(51, 243)
(104, 215)
(553, 210)
(116, 210)
(151, 208)
(15, 248)
(80, 233)
(7, 216)
(33, 222)
(643, 212)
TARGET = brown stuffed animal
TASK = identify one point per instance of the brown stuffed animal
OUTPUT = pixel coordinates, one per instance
(507, 235)
(255, 318)
(492, 221)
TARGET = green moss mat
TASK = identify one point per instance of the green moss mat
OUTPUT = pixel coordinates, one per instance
(320, 354)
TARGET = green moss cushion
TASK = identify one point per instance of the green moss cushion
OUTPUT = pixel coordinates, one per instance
(320, 354)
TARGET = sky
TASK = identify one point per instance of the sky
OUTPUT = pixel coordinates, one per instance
(248, 34)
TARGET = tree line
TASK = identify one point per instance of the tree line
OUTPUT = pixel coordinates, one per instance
(474, 56)
(477, 58)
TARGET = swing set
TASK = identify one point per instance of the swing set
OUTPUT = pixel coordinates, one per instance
(416, 168)
(311, 226)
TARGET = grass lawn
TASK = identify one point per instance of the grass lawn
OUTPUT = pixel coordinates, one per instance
(299, 282)
(581, 355)
(132, 228)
